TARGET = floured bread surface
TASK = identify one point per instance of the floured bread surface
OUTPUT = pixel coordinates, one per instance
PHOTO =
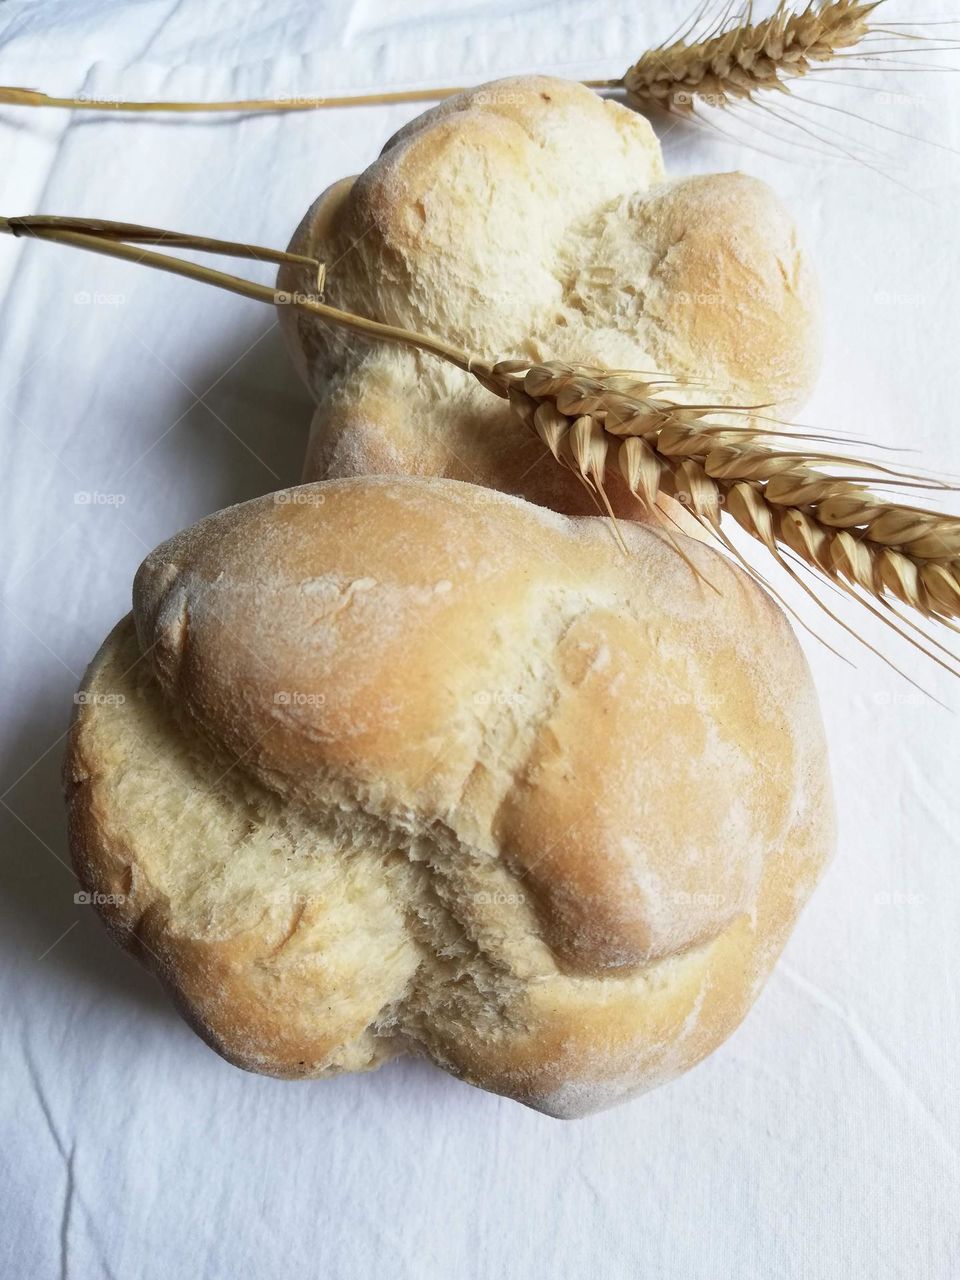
(530, 218)
(387, 765)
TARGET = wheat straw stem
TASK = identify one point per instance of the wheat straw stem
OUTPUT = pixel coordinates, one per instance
(105, 243)
(17, 97)
(14, 96)
(594, 421)
(136, 233)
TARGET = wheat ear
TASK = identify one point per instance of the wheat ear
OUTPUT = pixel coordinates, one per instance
(595, 421)
(741, 59)
(747, 57)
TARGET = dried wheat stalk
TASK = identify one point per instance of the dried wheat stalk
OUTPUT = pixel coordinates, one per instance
(746, 57)
(594, 420)
(15, 96)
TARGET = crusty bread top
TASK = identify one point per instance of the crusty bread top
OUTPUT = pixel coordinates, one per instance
(480, 686)
(398, 763)
(531, 218)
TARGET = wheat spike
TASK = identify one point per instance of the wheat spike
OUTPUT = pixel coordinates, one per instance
(748, 56)
(868, 546)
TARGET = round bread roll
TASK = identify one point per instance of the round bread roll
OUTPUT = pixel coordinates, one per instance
(531, 218)
(394, 765)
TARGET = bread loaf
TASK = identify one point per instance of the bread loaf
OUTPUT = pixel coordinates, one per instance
(393, 765)
(531, 218)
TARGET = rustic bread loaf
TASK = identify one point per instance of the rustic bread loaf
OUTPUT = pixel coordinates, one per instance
(391, 764)
(531, 218)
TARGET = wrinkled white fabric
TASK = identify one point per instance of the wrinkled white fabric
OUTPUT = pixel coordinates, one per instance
(823, 1141)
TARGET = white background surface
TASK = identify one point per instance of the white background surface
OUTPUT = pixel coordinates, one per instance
(823, 1140)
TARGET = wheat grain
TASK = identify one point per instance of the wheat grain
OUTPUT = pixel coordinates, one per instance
(748, 56)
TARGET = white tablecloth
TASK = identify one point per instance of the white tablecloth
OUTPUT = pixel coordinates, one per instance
(822, 1140)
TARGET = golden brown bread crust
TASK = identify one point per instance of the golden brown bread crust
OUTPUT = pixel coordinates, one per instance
(405, 764)
(531, 218)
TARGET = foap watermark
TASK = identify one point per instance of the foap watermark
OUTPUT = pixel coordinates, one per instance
(304, 496)
(94, 898)
(685, 499)
(498, 698)
(887, 99)
(298, 698)
(87, 698)
(501, 97)
(700, 299)
(282, 298)
(498, 898)
(287, 897)
(84, 298)
(300, 100)
(94, 498)
(697, 899)
(94, 100)
(899, 698)
(685, 98)
(702, 701)
(897, 898)
(891, 298)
